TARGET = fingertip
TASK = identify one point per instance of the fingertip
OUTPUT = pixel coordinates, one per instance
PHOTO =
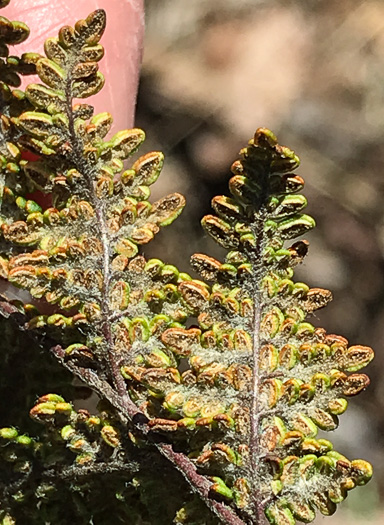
(122, 40)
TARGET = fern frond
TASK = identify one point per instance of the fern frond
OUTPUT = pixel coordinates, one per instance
(298, 378)
(261, 379)
(12, 103)
(63, 463)
(75, 253)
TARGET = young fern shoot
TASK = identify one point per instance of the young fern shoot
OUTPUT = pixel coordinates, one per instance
(234, 401)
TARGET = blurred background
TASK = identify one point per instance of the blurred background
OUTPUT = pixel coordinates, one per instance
(313, 72)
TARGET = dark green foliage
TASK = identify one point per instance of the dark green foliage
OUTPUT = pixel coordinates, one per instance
(211, 392)
(21, 376)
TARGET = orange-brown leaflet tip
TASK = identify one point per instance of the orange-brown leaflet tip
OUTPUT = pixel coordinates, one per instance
(317, 298)
(355, 384)
(206, 266)
(180, 340)
(165, 425)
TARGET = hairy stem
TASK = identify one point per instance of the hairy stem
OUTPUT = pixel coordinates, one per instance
(255, 415)
(98, 205)
(128, 412)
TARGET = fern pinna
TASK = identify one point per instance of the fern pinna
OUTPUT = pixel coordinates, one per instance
(221, 381)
